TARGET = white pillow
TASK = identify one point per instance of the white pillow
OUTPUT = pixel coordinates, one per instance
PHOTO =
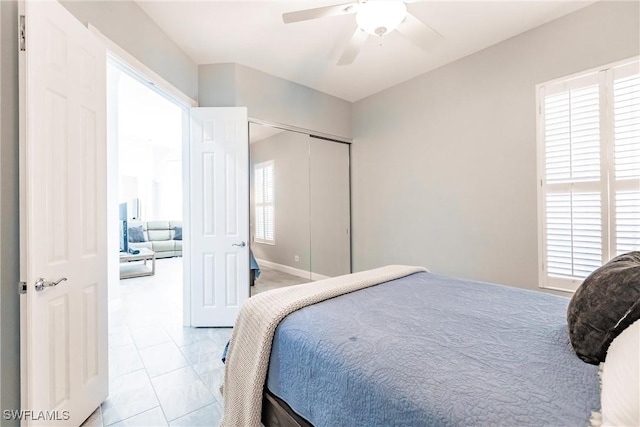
(620, 397)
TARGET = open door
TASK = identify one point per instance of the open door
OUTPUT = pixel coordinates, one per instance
(219, 215)
(63, 228)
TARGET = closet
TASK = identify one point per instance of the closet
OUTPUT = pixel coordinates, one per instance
(300, 211)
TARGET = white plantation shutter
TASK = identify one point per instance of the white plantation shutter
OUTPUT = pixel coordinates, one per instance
(264, 202)
(627, 221)
(572, 137)
(574, 237)
(268, 221)
(626, 113)
(626, 125)
(590, 173)
(259, 223)
(573, 189)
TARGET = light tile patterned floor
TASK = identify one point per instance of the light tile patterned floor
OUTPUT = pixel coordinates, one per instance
(161, 373)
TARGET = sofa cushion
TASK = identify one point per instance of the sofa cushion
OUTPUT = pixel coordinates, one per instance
(179, 245)
(159, 235)
(158, 225)
(163, 245)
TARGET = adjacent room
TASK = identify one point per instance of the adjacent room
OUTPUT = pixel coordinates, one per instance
(288, 213)
(149, 129)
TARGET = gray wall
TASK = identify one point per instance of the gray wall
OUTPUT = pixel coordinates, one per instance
(127, 25)
(290, 154)
(9, 213)
(217, 85)
(273, 99)
(444, 165)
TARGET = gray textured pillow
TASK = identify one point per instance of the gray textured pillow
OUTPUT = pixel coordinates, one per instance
(606, 303)
(178, 235)
(136, 234)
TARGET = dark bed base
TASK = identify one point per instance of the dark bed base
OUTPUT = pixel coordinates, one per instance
(276, 413)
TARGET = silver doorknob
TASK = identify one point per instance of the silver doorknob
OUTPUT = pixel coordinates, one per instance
(241, 244)
(42, 283)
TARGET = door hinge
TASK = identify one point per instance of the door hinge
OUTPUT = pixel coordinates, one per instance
(22, 287)
(22, 35)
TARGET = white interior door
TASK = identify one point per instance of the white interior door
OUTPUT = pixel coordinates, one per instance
(63, 218)
(219, 216)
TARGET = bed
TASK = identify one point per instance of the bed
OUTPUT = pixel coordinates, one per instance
(254, 269)
(428, 350)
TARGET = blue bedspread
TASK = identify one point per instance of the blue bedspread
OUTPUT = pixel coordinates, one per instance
(429, 350)
(253, 264)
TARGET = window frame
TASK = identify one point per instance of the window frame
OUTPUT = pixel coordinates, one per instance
(260, 167)
(604, 75)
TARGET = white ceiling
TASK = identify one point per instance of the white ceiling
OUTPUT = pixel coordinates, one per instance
(252, 33)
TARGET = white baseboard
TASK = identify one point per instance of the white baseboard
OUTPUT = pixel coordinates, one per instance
(284, 268)
(291, 270)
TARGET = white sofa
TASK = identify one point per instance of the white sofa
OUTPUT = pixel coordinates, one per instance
(159, 237)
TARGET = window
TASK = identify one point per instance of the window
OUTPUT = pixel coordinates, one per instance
(589, 169)
(264, 207)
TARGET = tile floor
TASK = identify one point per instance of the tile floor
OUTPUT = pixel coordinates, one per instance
(161, 373)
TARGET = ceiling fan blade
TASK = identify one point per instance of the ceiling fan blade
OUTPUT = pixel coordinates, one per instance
(320, 12)
(353, 48)
(418, 32)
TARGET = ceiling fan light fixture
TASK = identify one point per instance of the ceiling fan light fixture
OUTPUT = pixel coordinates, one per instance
(379, 17)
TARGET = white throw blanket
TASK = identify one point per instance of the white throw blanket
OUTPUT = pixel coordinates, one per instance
(250, 347)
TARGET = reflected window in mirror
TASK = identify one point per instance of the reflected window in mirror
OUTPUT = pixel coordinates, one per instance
(264, 202)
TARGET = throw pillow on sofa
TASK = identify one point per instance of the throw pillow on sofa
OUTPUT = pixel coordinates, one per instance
(606, 303)
(178, 235)
(136, 234)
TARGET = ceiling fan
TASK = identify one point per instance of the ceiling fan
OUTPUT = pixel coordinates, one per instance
(374, 17)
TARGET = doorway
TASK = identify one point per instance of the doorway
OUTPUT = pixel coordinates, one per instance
(149, 132)
(160, 371)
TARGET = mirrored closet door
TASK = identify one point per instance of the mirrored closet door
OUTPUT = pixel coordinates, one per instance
(300, 207)
(330, 214)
